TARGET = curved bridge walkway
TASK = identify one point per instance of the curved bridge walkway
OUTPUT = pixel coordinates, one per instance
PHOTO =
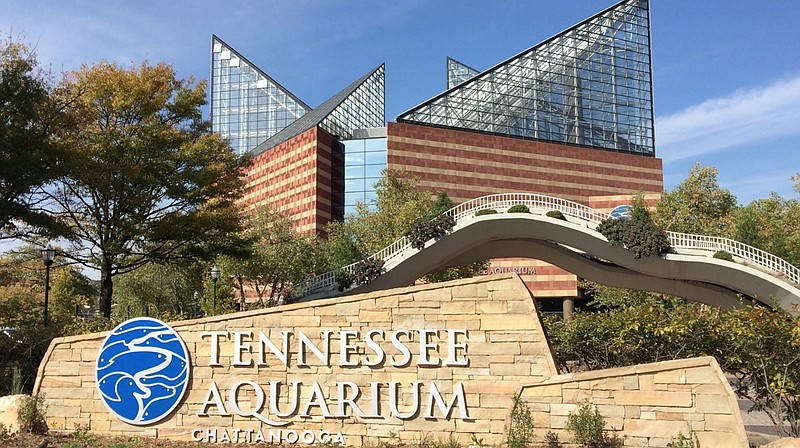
(690, 272)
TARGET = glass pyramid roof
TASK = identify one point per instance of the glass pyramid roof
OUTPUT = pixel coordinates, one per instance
(457, 73)
(360, 105)
(247, 106)
(589, 85)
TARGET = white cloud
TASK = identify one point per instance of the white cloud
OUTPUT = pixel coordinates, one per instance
(744, 117)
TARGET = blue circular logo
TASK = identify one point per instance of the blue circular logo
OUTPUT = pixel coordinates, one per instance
(142, 370)
(621, 212)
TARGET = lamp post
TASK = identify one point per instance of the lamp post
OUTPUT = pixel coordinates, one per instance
(196, 296)
(48, 254)
(214, 278)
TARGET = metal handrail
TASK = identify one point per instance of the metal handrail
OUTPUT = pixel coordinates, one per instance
(539, 203)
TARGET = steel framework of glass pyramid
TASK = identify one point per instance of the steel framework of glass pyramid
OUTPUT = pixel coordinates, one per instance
(589, 85)
(247, 106)
(457, 73)
(361, 105)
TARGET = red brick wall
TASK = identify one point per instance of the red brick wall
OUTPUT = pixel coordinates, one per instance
(295, 178)
(468, 165)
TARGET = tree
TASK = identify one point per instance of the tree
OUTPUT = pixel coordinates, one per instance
(399, 206)
(697, 205)
(771, 224)
(70, 289)
(146, 181)
(28, 159)
(279, 259)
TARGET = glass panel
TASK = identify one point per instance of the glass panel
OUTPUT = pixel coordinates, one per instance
(241, 93)
(555, 90)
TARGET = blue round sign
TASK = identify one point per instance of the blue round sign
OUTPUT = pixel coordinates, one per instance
(142, 370)
(621, 212)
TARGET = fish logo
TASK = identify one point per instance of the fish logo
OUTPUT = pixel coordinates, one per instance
(142, 370)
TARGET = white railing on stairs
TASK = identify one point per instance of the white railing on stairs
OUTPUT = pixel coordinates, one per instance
(541, 204)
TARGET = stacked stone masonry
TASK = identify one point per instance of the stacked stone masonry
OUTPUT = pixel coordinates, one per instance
(502, 346)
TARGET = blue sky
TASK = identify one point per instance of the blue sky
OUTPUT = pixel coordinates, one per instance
(726, 74)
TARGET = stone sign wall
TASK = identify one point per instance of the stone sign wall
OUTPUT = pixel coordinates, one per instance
(443, 360)
(426, 361)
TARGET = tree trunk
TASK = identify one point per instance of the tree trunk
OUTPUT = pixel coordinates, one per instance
(106, 290)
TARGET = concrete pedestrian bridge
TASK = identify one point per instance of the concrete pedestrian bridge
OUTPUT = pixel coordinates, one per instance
(576, 246)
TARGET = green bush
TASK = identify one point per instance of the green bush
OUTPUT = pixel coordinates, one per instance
(586, 426)
(556, 214)
(723, 255)
(486, 211)
(32, 414)
(519, 208)
(641, 238)
(343, 280)
(424, 231)
(520, 431)
(367, 270)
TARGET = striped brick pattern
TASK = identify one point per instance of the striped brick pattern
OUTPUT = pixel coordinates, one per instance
(469, 165)
(295, 178)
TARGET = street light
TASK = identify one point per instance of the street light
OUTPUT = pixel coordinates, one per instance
(48, 254)
(196, 296)
(214, 278)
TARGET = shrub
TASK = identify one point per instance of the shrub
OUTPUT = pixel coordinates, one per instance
(641, 238)
(32, 414)
(344, 280)
(520, 430)
(367, 270)
(486, 211)
(519, 208)
(556, 214)
(428, 230)
(682, 441)
(723, 255)
(586, 426)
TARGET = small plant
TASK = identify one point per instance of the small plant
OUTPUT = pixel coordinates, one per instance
(520, 431)
(476, 442)
(556, 214)
(519, 208)
(449, 443)
(641, 238)
(32, 414)
(486, 211)
(682, 441)
(394, 439)
(586, 426)
(723, 255)
(344, 280)
(551, 440)
(423, 231)
(4, 433)
(124, 444)
(328, 444)
(367, 270)
(425, 441)
(17, 383)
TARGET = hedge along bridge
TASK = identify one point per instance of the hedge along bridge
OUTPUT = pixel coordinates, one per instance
(575, 245)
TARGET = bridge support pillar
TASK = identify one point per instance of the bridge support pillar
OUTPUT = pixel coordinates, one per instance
(568, 307)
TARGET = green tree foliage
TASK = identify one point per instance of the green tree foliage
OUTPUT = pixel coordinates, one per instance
(69, 289)
(279, 259)
(697, 205)
(28, 159)
(639, 234)
(165, 290)
(771, 224)
(146, 181)
(399, 207)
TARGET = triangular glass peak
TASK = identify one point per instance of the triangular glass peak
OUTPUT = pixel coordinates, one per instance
(361, 105)
(457, 73)
(589, 85)
(247, 106)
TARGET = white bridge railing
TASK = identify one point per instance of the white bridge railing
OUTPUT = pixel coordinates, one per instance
(540, 204)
